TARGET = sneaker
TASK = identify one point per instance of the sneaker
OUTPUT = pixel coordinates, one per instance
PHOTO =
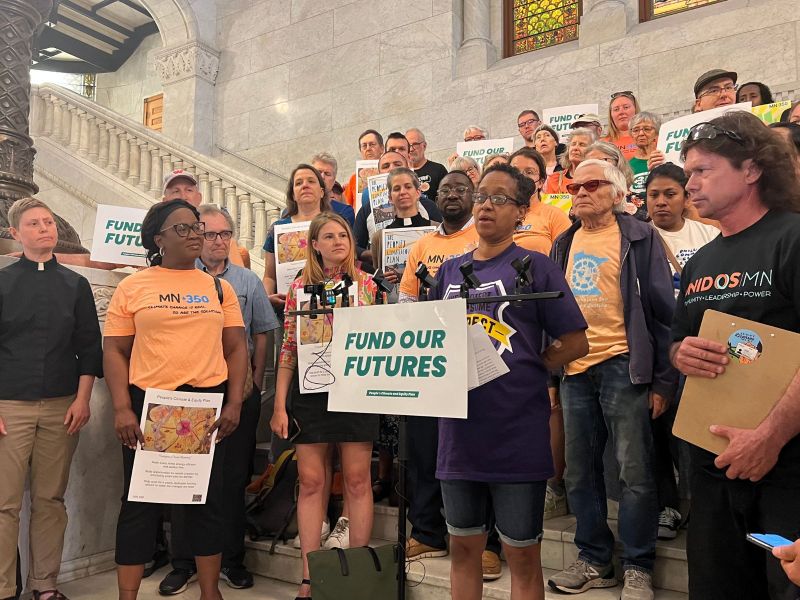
(416, 550)
(323, 536)
(668, 522)
(555, 504)
(492, 568)
(340, 536)
(48, 595)
(237, 578)
(176, 582)
(638, 586)
(581, 576)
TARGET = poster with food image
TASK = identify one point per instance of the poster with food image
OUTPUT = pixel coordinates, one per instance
(173, 465)
(291, 241)
(364, 170)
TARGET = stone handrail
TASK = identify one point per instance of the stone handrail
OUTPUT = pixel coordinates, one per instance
(139, 156)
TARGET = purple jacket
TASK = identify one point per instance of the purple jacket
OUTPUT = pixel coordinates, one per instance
(648, 300)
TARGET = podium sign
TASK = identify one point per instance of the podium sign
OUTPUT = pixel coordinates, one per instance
(401, 359)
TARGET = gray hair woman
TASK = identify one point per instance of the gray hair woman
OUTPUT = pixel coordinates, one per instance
(644, 128)
(580, 139)
(618, 272)
(610, 153)
(469, 166)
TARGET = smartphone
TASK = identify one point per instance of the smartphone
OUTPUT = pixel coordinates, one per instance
(767, 540)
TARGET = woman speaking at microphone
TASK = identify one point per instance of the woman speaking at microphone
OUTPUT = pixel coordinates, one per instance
(172, 327)
(500, 455)
(330, 261)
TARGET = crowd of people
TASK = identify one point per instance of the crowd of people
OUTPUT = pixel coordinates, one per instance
(600, 368)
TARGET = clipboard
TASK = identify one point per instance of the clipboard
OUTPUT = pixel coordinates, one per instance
(763, 362)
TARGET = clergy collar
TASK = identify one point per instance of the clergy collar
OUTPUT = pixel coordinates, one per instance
(31, 265)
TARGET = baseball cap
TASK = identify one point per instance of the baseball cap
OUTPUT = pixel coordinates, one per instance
(587, 118)
(177, 174)
(710, 76)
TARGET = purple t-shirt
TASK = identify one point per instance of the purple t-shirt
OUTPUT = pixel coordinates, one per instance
(506, 437)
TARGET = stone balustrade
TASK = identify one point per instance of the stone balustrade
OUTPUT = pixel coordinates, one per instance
(140, 158)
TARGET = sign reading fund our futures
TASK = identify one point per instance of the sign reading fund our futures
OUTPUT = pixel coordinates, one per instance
(480, 150)
(118, 236)
(562, 117)
(401, 359)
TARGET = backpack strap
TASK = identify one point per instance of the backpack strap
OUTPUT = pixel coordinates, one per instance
(670, 255)
(218, 287)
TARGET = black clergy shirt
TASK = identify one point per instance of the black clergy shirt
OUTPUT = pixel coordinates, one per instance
(49, 332)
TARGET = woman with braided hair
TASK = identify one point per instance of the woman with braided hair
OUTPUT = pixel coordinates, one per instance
(172, 327)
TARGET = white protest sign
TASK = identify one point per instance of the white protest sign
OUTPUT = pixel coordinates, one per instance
(173, 465)
(396, 244)
(314, 342)
(291, 240)
(673, 133)
(401, 359)
(480, 150)
(382, 208)
(561, 118)
(117, 235)
(364, 170)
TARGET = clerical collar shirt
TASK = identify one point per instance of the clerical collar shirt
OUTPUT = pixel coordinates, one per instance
(49, 332)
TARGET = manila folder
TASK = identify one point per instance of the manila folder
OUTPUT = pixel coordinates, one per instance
(763, 362)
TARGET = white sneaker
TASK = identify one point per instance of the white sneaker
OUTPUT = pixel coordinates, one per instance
(326, 531)
(340, 536)
(638, 586)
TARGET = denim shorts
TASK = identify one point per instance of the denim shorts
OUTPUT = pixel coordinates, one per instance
(518, 509)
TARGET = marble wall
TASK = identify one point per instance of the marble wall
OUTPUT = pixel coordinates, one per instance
(300, 76)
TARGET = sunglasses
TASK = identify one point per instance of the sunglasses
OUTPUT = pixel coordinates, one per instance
(183, 229)
(709, 131)
(589, 186)
(627, 93)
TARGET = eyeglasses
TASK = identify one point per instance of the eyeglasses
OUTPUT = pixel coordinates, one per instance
(474, 138)
(531, 174)
(182, 229)
(626, 93)
(459, 190)
(709, 131)
(528, 123)
(590, 186)
(415, 145)
(646, 129)
(495, 199)
(718, 91)
(210, 236)
(368, 145)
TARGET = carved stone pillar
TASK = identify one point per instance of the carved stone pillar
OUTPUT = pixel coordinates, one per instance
(20, 21)
(477, 53)
(189, 73)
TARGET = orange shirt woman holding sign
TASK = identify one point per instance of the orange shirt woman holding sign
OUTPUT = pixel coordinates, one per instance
(172, 327)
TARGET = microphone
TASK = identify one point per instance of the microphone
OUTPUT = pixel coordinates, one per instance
(315, 291)
(471, 280)
(524, 277)
(426, 282)
(384, 287)
(343, 288)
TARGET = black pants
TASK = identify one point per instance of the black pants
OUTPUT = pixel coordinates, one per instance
(722, 564)
(665, 458)
(238, 469)
(138, 523)
(426, 509)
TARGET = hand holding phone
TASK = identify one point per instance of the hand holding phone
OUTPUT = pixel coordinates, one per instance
(768, 541)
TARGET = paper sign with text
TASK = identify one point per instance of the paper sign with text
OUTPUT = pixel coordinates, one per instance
(364, 170)
(314, 341)
(382, 208)
(560, 201)
(674, 133)
(562, 117)
(291, 240)
(173, 466)
(480, 150)
(401, 359)
(118, 235)
(397, 244)
(771, 113)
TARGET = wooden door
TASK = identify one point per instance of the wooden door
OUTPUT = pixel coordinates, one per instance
(154, 112)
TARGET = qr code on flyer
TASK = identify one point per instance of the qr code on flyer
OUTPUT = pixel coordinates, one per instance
(197, 497)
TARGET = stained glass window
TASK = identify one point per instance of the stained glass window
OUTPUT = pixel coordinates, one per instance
(661, 8)
(537, 24)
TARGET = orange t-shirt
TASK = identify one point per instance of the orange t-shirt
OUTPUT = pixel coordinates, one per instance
(432, 250)
(176, 318)
(625, 144)
(557, 183)
(543, 220)
(593, 274)
(349, 193)
(235, 254)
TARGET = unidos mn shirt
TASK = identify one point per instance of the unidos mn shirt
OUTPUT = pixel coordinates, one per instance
(177, 320)
(506, 437)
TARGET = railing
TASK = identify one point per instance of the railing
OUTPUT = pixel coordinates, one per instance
(141, 157)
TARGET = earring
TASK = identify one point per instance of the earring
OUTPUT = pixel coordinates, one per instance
(519, 222)
(161, 251)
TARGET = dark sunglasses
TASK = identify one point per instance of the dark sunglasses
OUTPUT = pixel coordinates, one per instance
(626, 93)
(709, 131)
(182, 229)
(589, 186)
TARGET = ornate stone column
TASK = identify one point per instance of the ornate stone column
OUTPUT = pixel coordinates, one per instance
(477, 52)
(20, 21)
(189, 73)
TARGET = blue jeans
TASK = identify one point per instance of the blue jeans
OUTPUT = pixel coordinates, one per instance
(597, 403)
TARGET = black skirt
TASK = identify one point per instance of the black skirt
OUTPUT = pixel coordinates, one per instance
(318, 425)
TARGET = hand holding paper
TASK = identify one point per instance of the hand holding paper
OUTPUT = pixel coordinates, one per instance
(127, 427)
(750, 454)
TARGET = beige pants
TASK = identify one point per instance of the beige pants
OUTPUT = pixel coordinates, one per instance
(37, 439)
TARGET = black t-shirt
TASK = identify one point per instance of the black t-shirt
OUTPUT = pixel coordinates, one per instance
(430, 175)
(754, 274)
